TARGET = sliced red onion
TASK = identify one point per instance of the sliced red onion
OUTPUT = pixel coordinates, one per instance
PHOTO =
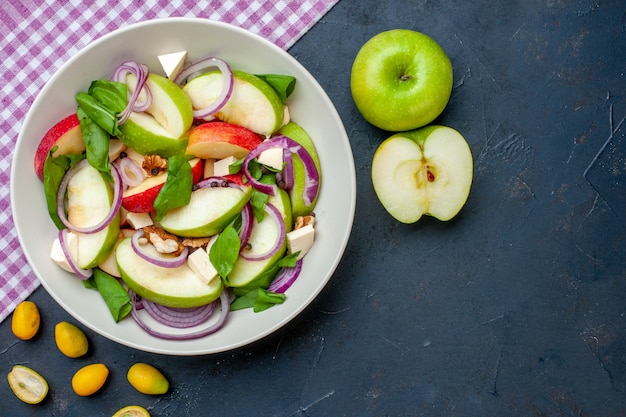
(141, 72)
(115, 206)
(216, 182)
(312, 183)
(228, 82)
(287, 172)
(225, 310)
(180, 318)
(131, 173)
(247, 220)
(285, 278)
(278, 218)
(81, 273)
(161, 260)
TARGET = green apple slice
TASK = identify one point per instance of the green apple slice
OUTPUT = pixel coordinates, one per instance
(297, 133)
(172, 287)
(424, 171)
(253, 104)
(263, 236)
(208, 212)
(89, 201)
(162, 128)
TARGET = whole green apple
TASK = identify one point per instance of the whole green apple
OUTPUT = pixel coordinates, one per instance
(401, 80)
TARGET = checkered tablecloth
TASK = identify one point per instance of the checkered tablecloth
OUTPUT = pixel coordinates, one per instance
(37, 39)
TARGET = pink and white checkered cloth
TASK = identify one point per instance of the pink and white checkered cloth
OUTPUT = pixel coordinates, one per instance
(37, 39)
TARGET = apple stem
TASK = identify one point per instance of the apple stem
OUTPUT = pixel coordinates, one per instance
(406, 77)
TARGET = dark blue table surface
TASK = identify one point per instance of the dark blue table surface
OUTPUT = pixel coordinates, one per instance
(515, 308)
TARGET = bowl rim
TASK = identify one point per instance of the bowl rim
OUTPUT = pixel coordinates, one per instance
(351, 181)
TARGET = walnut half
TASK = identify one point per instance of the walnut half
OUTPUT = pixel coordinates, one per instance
(154, 165)
(302, 221)
(163, 242)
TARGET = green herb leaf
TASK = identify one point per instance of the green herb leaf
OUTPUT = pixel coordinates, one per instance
(289, 261)
(113, 293)
(225, 251)
(258, 200)
(264, 279)
(258, 299)
(54, 170)
(176, 192)
(98, 113)
(255, 170)
(236, 166)
(111, 94)
(97, 142)
(282, 84)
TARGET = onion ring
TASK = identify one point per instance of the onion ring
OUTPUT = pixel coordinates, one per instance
(312, 178)
(141, 72)
(81, 273)
(159, 260)
(228, 82)
(275, 215)
(225, 310)
(285, 278)
(180, 318)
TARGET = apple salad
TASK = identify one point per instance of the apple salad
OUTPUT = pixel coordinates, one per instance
(182, 197)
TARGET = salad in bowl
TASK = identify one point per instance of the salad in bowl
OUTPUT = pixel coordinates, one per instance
(181, 205)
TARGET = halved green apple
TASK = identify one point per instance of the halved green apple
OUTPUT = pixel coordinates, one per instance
(89, 201)
(208, 212)
(162, 128)
(424, 171)
(263, 236)
(172, 287)
(296, 132)
(253, 104)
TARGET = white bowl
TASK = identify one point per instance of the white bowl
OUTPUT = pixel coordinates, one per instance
(143, 42)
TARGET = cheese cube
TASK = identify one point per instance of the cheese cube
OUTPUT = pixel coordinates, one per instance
(301, 240)
(272, 157)
(208, 168)
(201, 265)
(173, 63)
(220, 168)
(139, 220)
(57, 254)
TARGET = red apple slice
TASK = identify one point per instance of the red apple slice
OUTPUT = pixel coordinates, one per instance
(218, 140)
(66, 136)
(140, 198)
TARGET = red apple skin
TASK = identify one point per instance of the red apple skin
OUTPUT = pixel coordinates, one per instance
(218, 140)
(140, 199)
(66, 135)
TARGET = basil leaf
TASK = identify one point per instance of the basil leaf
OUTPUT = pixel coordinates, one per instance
(258, 200)
(98, 113)
(289, 261)
(262, 280)
(176, 192)
(54, 170)
(258, 299)
(225, 251)
(255, 170)
(113, 293)
(282, 84)
(97, 142)
(111, 94)
(236, 166)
